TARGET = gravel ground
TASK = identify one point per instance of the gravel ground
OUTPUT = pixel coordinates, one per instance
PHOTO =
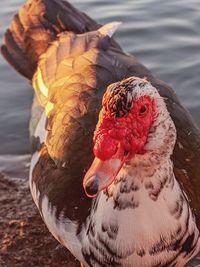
(24, 239)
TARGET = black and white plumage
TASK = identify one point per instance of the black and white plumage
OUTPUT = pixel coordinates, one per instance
(143, 218)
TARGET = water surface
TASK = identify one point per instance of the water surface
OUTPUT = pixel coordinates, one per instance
(164, 35)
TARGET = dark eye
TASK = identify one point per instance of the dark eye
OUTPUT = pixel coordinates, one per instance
(143, 109)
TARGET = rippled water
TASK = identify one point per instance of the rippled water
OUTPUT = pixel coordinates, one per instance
(164, 35)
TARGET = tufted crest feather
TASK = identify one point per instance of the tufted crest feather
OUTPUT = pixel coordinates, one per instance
(109, 28)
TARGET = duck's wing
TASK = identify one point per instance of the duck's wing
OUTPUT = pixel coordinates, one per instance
(186, 155)
(35, 26)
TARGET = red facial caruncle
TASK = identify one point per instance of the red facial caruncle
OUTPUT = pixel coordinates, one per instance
(128, 133)
(121, 133)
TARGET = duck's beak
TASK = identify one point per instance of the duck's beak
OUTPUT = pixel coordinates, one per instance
(101, 174)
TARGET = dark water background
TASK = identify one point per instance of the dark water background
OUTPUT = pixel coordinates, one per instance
(164, 35)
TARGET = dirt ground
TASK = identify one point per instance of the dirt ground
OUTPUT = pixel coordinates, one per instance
(24, 239)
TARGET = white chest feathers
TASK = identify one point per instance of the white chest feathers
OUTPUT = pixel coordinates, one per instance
(142, 220)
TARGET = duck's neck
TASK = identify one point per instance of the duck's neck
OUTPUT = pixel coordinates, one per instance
(144, 217)
(146, 180)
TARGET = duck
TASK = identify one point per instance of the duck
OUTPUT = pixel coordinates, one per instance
(115, 156)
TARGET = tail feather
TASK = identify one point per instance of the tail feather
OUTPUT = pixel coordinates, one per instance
(15, 55)
(35, 26)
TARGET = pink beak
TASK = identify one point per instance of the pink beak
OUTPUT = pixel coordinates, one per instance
(102, 173)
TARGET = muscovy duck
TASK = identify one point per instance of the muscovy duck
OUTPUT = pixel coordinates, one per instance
(110, 186)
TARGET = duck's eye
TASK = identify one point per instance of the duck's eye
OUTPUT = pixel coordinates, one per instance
(143, 110)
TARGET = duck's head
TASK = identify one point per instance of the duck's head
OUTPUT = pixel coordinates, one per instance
(133, 122)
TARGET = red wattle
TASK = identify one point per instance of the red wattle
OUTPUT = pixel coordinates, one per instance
(105, 147)
(129, 133)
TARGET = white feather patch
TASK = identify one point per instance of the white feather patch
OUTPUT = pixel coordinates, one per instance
(63, 229)
(39, 79)
(34, 192)
(109, 28)
(40, 129)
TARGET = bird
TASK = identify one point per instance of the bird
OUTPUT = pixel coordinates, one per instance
(115, 156)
